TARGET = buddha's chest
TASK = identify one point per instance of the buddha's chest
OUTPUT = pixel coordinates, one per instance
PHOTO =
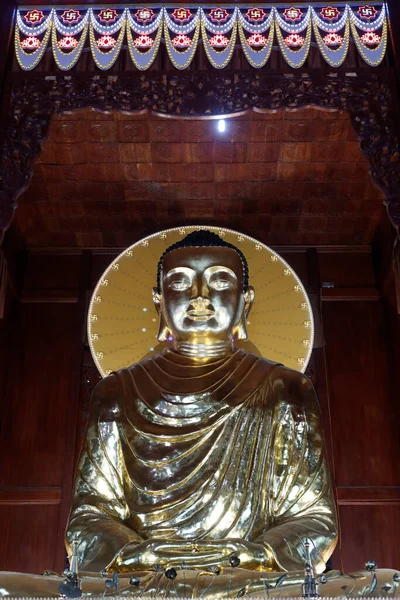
(224, 459)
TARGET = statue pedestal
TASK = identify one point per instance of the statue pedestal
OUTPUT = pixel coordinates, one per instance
(230, 583)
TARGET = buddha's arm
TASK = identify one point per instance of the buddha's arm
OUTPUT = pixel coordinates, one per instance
(302, 506)
(99, 510)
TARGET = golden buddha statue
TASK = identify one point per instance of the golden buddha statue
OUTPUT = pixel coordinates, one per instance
(203, 472)
(204, 451)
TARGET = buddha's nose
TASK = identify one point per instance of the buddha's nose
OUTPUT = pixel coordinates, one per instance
(200, 289)
(200, 304)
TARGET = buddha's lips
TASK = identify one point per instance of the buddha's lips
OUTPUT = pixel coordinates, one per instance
(200, 315)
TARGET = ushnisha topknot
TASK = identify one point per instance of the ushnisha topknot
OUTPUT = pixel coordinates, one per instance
(202, 238)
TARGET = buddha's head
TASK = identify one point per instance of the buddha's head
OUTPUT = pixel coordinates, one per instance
(202, 293)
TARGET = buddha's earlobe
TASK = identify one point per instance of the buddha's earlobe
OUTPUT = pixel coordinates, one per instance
(164, 333)
(240, 331)
(163, 330)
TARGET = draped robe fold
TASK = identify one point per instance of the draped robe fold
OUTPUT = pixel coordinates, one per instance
(229, 449)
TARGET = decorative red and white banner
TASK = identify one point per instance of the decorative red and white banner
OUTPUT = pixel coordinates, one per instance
(106, 30)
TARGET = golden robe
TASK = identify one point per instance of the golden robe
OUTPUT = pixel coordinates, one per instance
(229, 449)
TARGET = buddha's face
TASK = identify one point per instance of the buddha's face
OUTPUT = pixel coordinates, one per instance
(202, 298)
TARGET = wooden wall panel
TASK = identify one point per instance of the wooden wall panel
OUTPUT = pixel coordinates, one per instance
(28, 540)
(39, 412)
(363, 402)
(370, 533)
(365, 435)
(49, 272)
(350, 269)
(40, 391)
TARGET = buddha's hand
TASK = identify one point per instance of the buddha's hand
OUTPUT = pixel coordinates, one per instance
(240, 553)
(160, 552)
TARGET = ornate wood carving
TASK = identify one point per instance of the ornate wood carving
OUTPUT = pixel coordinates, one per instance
(35, 99)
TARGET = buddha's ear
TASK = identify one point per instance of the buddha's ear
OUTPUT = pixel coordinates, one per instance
(240, 331)
(157, 300)
(248, 300)
(163, 330)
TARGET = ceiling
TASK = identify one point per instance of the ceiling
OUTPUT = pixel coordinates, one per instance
(105, 180)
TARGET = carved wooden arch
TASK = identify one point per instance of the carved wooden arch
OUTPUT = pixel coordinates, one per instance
(367, 97)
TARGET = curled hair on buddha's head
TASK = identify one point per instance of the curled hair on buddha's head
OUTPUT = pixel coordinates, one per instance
(202, 238)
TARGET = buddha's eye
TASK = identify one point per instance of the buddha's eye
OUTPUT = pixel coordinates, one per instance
(180, 285)
(220, 284)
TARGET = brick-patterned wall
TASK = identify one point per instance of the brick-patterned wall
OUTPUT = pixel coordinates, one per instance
(287, 178)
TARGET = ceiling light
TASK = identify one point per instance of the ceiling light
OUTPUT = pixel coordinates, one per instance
(221, 125)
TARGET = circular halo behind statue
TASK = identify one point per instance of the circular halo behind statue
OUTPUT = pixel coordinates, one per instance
(123, 324)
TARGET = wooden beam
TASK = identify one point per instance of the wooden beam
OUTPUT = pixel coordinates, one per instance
(357, 293)
(368, 495)
(52, 295)
(37, 495)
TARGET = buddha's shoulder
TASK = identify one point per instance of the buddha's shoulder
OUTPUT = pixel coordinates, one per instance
(109, 395)
(106, 398)
(289, 377)
(286, 385)
(274, 371)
